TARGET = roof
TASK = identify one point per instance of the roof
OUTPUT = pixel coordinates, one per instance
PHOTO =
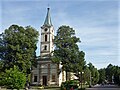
(48, 18)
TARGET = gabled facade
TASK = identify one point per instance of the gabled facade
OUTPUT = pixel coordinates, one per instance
(47, 73)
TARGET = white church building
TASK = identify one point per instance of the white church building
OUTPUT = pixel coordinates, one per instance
(47, 73)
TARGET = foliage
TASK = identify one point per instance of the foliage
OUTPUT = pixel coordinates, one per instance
(82, 89)
(110, 74)
(94, 74)
(117, 75)
(86, 75)
(66, 48)
(113, 74)
(1, 65)
(102, 76)
(68, 84)
(79, 66)
(13, 78)
(17, 47)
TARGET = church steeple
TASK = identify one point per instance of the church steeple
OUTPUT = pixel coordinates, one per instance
(47, 36)
(48, 18)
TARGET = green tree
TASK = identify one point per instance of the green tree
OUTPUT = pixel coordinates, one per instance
(94, 74)
(17, 47)
(1, 64)
(66, 48)
(96, 77)
(117, 75)
(102, 75)
(80, 63)
(109, 72)
(13, 78)
(86, 75)
(113, 74)
(80, 68)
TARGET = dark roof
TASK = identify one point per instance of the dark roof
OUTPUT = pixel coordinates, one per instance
(48, 18)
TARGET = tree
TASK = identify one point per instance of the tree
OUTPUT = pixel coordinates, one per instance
(79, 65)
(113, 74)
(102, 75)
(94, 74)
(96, 77)
(1, 64)
(17, 47)
(117, 75)
(86, 75)
(109, 72)
(13, 78)
(80, 68)
(66, 48)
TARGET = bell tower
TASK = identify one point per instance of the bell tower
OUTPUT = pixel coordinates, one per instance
(47, 36)
(46, 72)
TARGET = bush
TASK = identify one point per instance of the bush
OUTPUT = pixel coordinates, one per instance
(81, 89)
(68, 84)
(13, 79)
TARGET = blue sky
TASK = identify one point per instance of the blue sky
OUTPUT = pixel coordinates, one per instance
(96, 23)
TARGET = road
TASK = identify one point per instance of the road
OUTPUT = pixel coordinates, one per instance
(96, 87)
(105, 87)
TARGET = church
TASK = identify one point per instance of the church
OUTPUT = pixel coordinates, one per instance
(47, 73)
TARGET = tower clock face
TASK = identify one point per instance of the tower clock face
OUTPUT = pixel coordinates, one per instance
(46, 29)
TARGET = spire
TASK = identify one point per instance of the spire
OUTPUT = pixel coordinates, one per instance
(48, 18)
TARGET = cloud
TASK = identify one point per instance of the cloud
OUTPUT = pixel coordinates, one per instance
(98, 31)
(95, 23)
(0, 16)
(100, 43)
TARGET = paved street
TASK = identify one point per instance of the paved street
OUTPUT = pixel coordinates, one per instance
(96, 87)
(105, 87)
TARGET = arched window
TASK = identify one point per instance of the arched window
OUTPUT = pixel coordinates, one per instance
(45, 47)
(45, 37)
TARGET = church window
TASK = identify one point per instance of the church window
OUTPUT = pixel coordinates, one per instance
(45, 48)
(46, 29)
(53, 78)
(35, 78)
(45, 37)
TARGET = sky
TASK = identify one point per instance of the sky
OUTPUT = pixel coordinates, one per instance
(96, 23)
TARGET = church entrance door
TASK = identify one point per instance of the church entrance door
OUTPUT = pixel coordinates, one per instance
(45, 80)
